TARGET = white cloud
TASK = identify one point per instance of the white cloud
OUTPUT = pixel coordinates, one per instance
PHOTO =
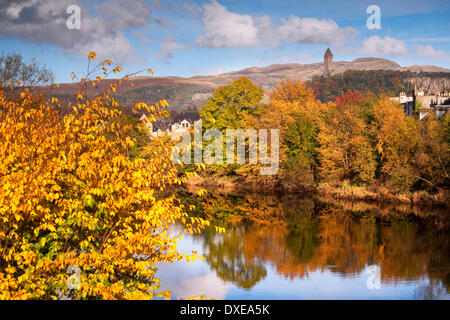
(114, 46)
(168, 46)
(376, 46)
(102, 25)
(428, 51)
(311, 30)
(125, 14)
(225, 29)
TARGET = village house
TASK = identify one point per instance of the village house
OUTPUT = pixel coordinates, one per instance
(176, 126)
(438, 102)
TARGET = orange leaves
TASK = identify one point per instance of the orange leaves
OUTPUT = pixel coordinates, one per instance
(201, 192)
(164, 103)
(107, 62)
(118, 161)
(130, 142)
(194, 224)
(348, 98)
(219, 229)
(92, 55)
(71, 195)
(139, 107)
(114, 103)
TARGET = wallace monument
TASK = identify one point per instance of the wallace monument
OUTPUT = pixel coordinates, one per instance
(328, 62)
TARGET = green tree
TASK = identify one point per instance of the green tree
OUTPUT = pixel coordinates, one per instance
(301, 144)
(230, 104)
(226, 256)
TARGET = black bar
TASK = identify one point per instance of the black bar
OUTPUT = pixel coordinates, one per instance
(226, 309)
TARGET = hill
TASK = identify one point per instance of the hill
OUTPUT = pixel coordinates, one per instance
(390, 82)
(191, 93)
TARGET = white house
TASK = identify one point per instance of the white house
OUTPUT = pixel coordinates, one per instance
(181, 122)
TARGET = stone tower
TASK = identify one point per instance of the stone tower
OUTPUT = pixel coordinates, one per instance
(328, 62)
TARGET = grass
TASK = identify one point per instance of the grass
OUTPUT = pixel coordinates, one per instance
(383, 194)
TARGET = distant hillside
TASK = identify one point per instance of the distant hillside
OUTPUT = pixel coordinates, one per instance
(378, 81)
(188, 93)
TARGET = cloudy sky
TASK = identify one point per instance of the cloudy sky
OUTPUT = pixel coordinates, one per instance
(187, 38)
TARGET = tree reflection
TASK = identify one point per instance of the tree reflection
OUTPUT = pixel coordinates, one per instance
(302, 235)
(225, 254)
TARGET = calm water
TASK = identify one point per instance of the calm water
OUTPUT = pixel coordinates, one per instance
(296, 248)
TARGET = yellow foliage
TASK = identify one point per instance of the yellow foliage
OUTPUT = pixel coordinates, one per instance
(70, 197)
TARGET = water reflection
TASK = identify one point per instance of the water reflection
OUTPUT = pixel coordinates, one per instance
(227, 256)
(312, 249)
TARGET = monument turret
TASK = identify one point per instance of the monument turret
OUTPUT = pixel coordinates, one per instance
(328, 62)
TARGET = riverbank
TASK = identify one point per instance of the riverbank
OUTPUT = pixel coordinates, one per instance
(384, 194)
(344, 190)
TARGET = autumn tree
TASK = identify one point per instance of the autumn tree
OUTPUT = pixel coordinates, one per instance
(348, 98)
(291, 91)
(287, 101)
(345, 151)
(433, 157)
(79, 217)
(294, 110)
(398, 143)
(414, 153)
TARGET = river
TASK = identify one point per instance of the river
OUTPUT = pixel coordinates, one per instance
(292, 247)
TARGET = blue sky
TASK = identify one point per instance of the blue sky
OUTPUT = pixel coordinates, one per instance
(188, 38)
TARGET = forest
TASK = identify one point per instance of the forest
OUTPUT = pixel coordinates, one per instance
(358, 145)
(388, 82)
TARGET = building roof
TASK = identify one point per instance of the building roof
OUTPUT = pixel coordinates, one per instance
(164, 124)
(186, 115)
